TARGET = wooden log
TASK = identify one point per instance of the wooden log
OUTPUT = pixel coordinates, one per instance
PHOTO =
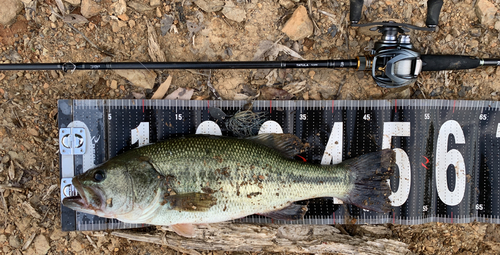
(270, 238)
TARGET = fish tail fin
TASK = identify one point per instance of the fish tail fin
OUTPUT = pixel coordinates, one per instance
(370, 171)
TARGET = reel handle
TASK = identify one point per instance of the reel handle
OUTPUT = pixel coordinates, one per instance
(355, 9)
(433, 11)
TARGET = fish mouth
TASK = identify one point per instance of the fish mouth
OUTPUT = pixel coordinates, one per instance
(79, 201)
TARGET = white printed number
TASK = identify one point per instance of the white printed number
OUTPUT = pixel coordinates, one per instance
(483, 116)
(367, 117)
(391, 129)
(109, 116)
(427, 116)
(303, 116)
(178, 116)
(479, 207)
(425, 208)
(444, 158)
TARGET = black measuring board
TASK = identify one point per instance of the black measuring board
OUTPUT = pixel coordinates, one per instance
(447, 152)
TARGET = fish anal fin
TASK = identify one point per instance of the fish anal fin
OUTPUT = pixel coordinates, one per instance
(291, 212)
(287, 144)
(190, 202)
(186, 230)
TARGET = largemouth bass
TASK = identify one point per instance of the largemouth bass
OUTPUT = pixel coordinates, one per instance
(206, 179)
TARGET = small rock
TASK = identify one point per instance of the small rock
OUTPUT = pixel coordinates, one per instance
(74, 2)
(13, 155)
(155, 3)
(299, 26)
(33, 132)
(476, 32)
(485, 11)
(234, 12)
(14, 242)
(76, 246)
(448, 38)
(210, 6)
(131, 23)
(90, 8)
(9, 10)
(474, 43)
(41, 244)
(114, 84)
(119, 8)
(114, 26)
(5, 159)
(497, 25)
(141, 78)
(57, 234)
(3, 238)
(287, 4)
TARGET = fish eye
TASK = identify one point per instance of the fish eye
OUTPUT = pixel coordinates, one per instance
(99, 176)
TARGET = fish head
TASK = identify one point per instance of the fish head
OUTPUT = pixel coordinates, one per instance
(121, 186)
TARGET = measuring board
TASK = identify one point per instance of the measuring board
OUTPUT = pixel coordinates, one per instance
(447, 152)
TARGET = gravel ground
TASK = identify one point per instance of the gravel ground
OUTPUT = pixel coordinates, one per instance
(205, 31)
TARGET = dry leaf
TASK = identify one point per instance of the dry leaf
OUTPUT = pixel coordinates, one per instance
(271, 77)
(162, 90)
(154, 50)
(61, 7)
(295, 87)
(140, 7)
(166, 24)
(30, 210)
(181, 94)
(271, 50)
(268, 93)
(75, 19)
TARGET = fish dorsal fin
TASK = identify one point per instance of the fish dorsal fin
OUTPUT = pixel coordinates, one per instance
(191, 202)
(291, 212)
(186, 230)
(287, 144)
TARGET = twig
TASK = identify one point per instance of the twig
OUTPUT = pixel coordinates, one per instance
(5, 208)
(28, 242)
(209, 84)
(418, 84)
(78, 31)
(3, 186)
(91, 242)
(316, 28)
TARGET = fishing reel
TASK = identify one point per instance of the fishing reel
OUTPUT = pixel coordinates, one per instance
(393, 61)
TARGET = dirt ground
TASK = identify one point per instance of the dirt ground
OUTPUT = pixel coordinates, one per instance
(28, 99)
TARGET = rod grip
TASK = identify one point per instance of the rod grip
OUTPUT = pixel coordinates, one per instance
(448, 62)
(433, 11)
(355, 11)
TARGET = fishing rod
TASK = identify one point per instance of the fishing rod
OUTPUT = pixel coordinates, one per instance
(393, 62)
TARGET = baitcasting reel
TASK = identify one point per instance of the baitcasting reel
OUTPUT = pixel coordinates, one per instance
(393, 61)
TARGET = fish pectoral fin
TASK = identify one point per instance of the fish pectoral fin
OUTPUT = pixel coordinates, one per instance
(287, 144)
(191, 202)
(291, 212)
(186, 230)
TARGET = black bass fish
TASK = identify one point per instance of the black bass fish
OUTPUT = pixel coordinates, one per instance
(206, 179)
